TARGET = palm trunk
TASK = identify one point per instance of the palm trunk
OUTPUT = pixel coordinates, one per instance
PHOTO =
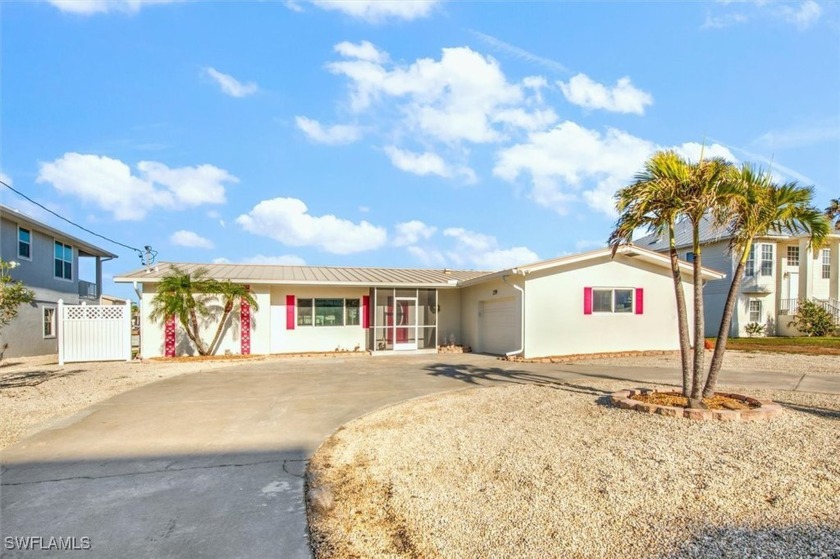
(726, 323)
(216, 337)
(195, 335)
(699, 323)
(682, 314)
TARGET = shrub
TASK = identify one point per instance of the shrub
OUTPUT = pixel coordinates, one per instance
(754, 329)
(813, 320)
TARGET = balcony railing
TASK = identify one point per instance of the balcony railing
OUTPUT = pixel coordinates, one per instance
(87, 290)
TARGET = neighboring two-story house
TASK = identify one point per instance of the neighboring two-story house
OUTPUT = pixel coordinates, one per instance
(780, 272)
(48, 264)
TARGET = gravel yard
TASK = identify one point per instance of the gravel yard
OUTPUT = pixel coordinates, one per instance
(535, 471)
(35, 390)
(734, 360)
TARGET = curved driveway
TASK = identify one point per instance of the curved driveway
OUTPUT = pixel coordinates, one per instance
(211, 464)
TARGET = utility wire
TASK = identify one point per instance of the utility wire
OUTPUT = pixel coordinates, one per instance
(43, 207)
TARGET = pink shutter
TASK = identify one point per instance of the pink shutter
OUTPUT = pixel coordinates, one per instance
(587, 300)
(245, 326)
(640, 300)
(365, 312)
(169, 336)
(290, 312)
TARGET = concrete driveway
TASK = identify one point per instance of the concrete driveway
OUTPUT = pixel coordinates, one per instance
(211, 464)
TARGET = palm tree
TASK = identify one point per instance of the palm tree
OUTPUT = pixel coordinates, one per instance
(655, 201)
(188, 296)
(833, 212)
(758, 207)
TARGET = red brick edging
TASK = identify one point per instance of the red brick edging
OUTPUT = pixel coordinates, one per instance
(767, 410)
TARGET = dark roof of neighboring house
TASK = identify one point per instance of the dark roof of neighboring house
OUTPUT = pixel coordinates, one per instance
(314, 275)
(85, 248)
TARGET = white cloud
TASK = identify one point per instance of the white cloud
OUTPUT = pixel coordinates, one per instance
(623, 97)
(520, 53)
(110, 185)
(483, 252)
(230, 85)
(721, 21)
(89, 7)
(412, 232)
(802, 17)
(693, 150)
(584, 244)
(287, 220)
(190, 239)
(364, 50)
(331, 135)
(377, 11)
(294, 6)
(427, 256)
(451, 100)
(6, 178)
(571, 163)
(427, 163)
(283, 260)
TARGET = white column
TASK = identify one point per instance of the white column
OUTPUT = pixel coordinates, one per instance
(59, 324)
(127, 330)
(834, 279)
(806, 269)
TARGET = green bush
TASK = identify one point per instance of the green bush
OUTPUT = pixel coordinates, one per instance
(754, 329)
(813, 320)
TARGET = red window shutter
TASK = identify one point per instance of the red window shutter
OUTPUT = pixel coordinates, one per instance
(365, 312)
(640, 300)
(290, 312)
(587, 300)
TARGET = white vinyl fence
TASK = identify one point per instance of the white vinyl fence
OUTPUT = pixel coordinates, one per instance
(94, 332)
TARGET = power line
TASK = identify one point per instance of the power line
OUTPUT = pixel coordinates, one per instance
(43, 207)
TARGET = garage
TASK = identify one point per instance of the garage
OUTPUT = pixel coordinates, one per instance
(499, 326)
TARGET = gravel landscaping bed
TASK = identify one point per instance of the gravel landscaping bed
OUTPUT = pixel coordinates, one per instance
(733, 360)
(535, 471)
(35, 390)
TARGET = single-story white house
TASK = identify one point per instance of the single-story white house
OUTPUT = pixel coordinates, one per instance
(585, 303)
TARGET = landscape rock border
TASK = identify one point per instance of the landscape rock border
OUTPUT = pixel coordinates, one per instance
(767, 409)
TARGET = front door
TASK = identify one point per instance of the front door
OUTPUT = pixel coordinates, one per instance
(405, 323)
(792, 285)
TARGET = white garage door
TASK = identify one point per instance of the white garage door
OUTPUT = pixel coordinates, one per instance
(499, 326)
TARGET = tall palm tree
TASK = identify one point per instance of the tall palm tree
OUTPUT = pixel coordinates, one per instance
(833, 212)
(188, 297)
(758, 207)
(654, 202)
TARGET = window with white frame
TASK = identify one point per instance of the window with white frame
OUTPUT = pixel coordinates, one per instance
(749, 268)
(328, 312)
(49, 322)
(755, 310)
(826, 263)
(766, 260)
(793, 256)
(24, 243)
(63, 261)
(612, 300)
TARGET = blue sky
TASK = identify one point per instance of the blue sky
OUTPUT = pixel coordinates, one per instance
(472, 135)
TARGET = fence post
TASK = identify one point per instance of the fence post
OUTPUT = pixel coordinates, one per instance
(127, 328)
(60, 327)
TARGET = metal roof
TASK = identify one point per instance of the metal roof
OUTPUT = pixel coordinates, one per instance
(84, 247)
(314, 275)
(709, 233)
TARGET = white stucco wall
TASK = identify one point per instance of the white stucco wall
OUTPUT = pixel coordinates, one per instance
(449, 317)
(313, 338)
(555, 323)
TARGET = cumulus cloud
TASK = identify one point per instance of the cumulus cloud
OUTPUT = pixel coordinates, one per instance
(377, 11)
(364, 50)
(288, 221)
(623, 97)
(331, 135)
(454, 99)
(803, 16)
(110, 184)
(412, 232)
(571, 163)
(230, 85)
(90, 7)
(427, 163)
(483, 251)
(190, 239)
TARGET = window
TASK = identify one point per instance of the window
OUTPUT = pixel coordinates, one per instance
(352, 316)
(63, 261)
(612, 300)
(329, 312)
(689, 257)
(749, 269)
(826, 264)
(766, 260)
(304, 312)
(755, 310)
(793, 256)
(49, 322)
(24, 243)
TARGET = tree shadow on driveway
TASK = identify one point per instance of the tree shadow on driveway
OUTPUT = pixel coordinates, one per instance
(33, 378)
